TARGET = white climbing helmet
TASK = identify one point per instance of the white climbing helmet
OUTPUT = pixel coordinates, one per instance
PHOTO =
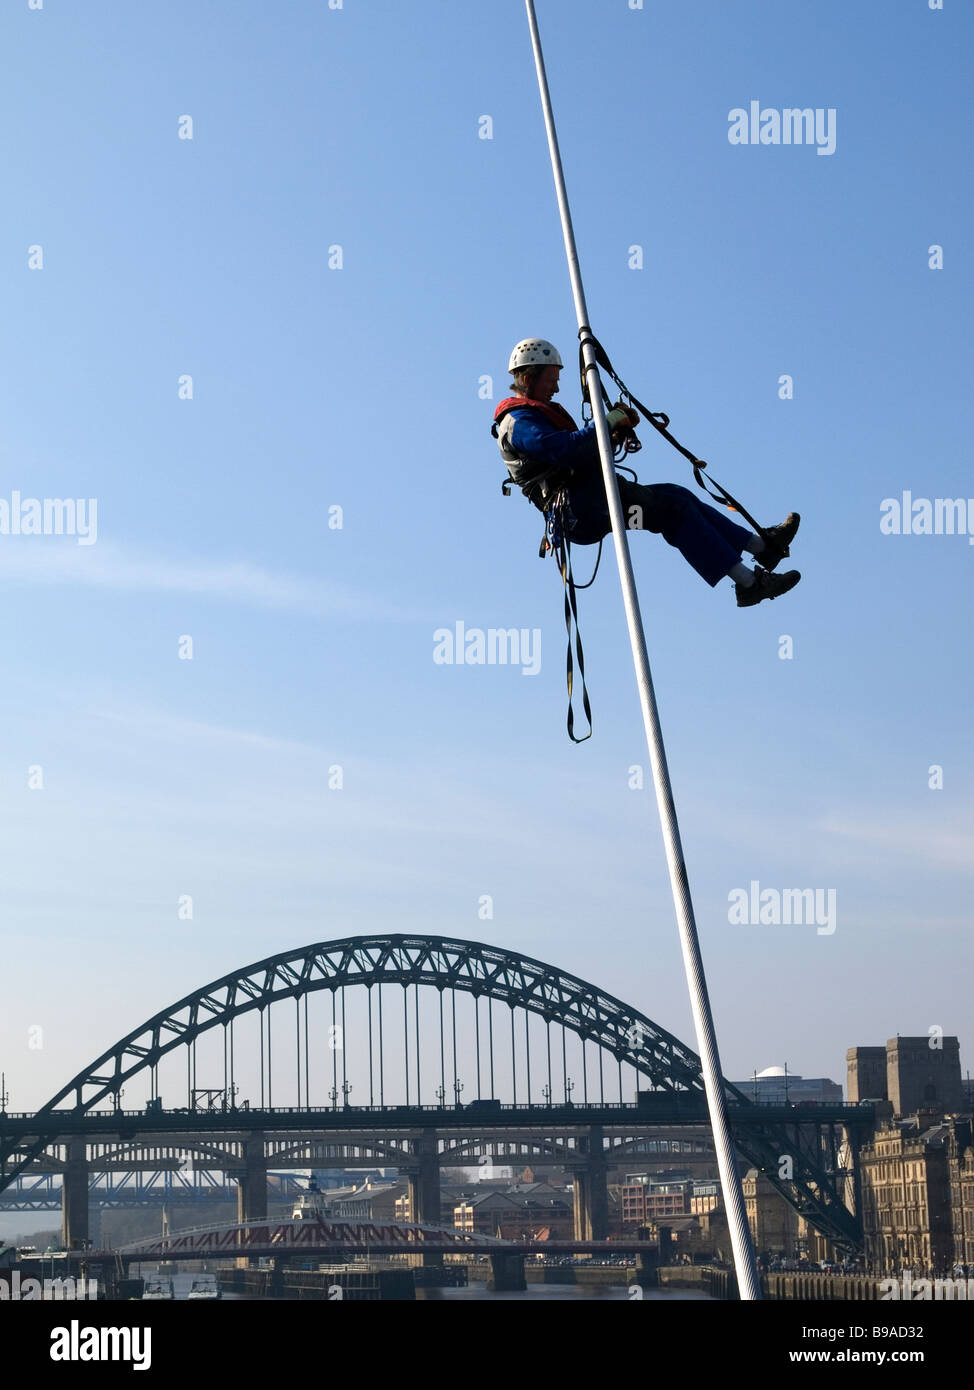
(534, 352)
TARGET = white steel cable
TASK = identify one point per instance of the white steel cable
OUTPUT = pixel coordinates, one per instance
(740, 1234)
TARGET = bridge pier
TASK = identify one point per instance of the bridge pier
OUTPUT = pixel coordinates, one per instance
(74, 1195)
(648, 1261)
(252, 1181)
(424, 1187)
(424, 1182)
(506, 1274)
(252, 1187)
(647, 1269)
(590, 1200)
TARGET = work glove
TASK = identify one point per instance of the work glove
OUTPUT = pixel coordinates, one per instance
(621, 418)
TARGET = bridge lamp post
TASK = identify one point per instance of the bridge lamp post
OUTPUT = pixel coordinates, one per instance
(546, 1092)
(346, 1090)
(457, 1088)
(441, 1096)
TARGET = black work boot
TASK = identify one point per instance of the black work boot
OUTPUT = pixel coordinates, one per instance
(777, 539)
(765, 586)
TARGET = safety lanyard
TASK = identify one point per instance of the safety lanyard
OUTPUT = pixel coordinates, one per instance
(556, 540)
(660, 422)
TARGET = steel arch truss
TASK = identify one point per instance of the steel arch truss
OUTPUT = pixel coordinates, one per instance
(441, 963)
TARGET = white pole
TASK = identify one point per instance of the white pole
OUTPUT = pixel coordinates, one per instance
(747, 1278)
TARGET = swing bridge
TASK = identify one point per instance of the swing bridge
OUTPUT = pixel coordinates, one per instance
(415, 1053)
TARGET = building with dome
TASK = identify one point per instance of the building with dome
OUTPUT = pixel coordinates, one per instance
(779, 1086)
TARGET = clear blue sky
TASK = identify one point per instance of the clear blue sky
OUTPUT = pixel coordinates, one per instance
(358, 387)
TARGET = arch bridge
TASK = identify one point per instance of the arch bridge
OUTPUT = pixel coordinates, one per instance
(452, 1050)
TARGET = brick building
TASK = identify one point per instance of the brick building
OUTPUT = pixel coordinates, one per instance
(517, 1212)
(645, 1198)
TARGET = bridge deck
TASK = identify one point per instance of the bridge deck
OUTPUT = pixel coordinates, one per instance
(664, 1110)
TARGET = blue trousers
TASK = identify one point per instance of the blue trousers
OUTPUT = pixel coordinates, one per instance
(705, 537)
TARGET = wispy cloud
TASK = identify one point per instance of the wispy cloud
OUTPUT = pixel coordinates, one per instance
(240, 773)
(910, 841)
(109, 567)
(148, 723)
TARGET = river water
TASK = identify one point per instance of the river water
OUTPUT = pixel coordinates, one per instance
(546, 1293)
(535, 1293)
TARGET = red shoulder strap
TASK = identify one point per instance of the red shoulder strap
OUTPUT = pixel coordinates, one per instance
(556, 414)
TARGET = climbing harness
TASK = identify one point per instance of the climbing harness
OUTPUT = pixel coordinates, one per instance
(547, 490)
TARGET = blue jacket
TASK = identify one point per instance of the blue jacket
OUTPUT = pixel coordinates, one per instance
(536, 440)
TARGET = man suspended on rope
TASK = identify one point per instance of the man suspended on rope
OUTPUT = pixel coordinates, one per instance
(546, 453)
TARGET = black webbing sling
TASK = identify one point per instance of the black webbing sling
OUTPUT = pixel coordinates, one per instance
(557, 521)
(659, 421)
(547, 490)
